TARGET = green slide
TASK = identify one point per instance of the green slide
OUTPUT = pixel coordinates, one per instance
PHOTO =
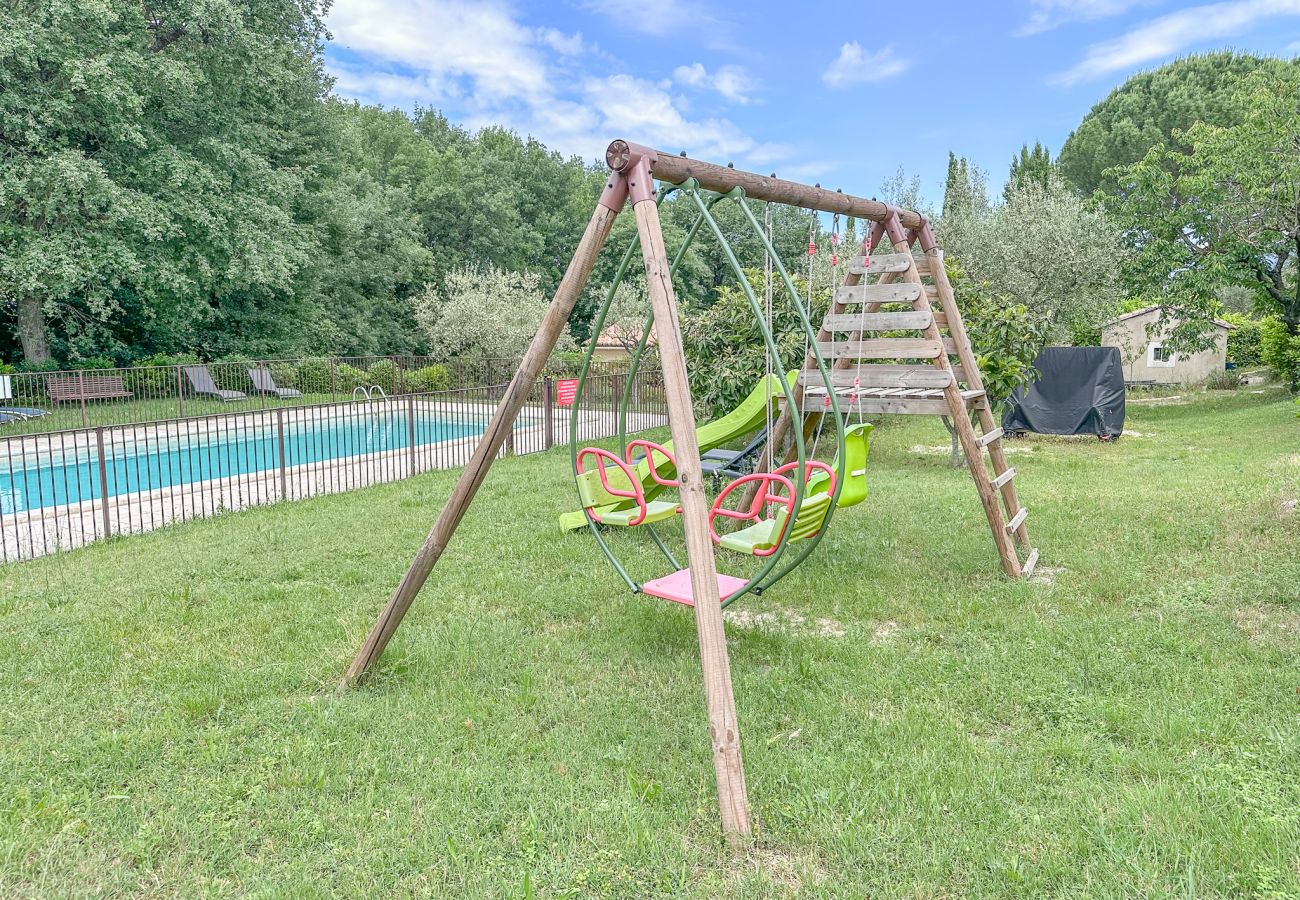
(745, 418)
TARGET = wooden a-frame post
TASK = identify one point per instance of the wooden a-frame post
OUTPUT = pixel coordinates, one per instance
(631, 175)
(724, 731)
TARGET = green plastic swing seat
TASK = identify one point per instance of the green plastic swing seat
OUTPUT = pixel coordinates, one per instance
(763, 536)
(655, 511)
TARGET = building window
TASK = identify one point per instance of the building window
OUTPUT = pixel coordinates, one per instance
(1158, 356)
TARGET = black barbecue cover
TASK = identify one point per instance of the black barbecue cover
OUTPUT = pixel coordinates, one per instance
(1079, 390)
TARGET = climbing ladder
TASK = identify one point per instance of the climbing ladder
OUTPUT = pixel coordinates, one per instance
(889, 293)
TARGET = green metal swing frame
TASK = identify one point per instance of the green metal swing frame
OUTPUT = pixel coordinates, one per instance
(769, 573)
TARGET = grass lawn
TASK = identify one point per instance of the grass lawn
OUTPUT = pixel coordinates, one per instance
(913, 724)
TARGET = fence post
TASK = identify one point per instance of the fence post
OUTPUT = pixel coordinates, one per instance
(81, 391)
(410, 416)
(262, 394)
(334, 394)
(279, 430)
(548, 411)
(103, 481)
(180, 395)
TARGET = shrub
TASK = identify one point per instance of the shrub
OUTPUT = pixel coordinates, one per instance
(1280, 350)
(315, 376)
(6, 369)
(285, 374)
(428, 378)
(384, 374)
(155, 376)
(1223, 381)
(349, 378)
(1244, 340)
(232, 374)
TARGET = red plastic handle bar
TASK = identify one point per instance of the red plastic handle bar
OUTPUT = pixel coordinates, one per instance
(602, 457)
(762, 498)
(651, 448)
(809, 467)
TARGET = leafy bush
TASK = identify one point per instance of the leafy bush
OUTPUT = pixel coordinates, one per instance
(384, 374)
(349, 378)
(1280, 350)
(1223, 381)
(428, 378)
(315, 375)
(155, 376)
(1006, 336)
(6, 369)
(232, 374)
(285, 374)
(1244, 340)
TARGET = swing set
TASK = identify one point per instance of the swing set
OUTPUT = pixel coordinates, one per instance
(856, 363)
(780, 508)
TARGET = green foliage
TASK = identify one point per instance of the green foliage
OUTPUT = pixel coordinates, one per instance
(383, 372)
(965, 192)
(1244, 340)
(724, 345)
(1152, 108)
(433, 377)
(7, 369)
(315, 375)
(1045, 249)
(483, 312)
(1279, 348)
(349, 378)
(1223, 381)
(1006, 336)
(1219, 207)
(155, 376)
(1030, 165)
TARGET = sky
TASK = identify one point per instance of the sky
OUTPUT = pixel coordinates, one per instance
(840, 94)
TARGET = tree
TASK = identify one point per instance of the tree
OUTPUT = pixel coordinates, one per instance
(154, 161)
(1047, 250)
(724, 341)
(1152, 108)
(1030, 165)
(1221, 206)
(484, 313)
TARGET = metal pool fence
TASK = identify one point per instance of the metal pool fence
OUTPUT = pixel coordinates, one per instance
(62, 489)
(84, 398)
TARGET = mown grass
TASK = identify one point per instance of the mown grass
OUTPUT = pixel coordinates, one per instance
(913, 724)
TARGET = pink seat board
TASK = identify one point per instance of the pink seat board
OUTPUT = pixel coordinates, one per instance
(677, 587)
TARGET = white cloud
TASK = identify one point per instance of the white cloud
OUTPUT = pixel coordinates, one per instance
(855, 66)
(732, 82)
(1049, 14)
(1171, 34)
(561, 43)
(666, 17)
(478, 63)
(638, 109)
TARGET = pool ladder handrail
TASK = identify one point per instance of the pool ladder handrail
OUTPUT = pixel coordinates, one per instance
(368, 392)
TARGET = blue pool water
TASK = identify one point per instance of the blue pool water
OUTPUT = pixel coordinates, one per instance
(242, 450)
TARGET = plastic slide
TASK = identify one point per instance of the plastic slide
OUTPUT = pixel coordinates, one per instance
(748, 416)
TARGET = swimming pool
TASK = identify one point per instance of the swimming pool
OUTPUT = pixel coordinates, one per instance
(226, 447)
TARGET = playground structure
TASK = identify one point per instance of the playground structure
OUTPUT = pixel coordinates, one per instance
(867, 374)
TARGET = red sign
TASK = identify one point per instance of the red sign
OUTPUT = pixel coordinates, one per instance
(566, 391)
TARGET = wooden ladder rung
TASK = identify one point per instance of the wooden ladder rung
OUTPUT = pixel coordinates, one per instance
(1017, 520)
(989, 437)
(887, 263)
(873, 375)
(1004, 477)
(883, 348)
(1030, 562)
(878, 321)
(893, 292)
